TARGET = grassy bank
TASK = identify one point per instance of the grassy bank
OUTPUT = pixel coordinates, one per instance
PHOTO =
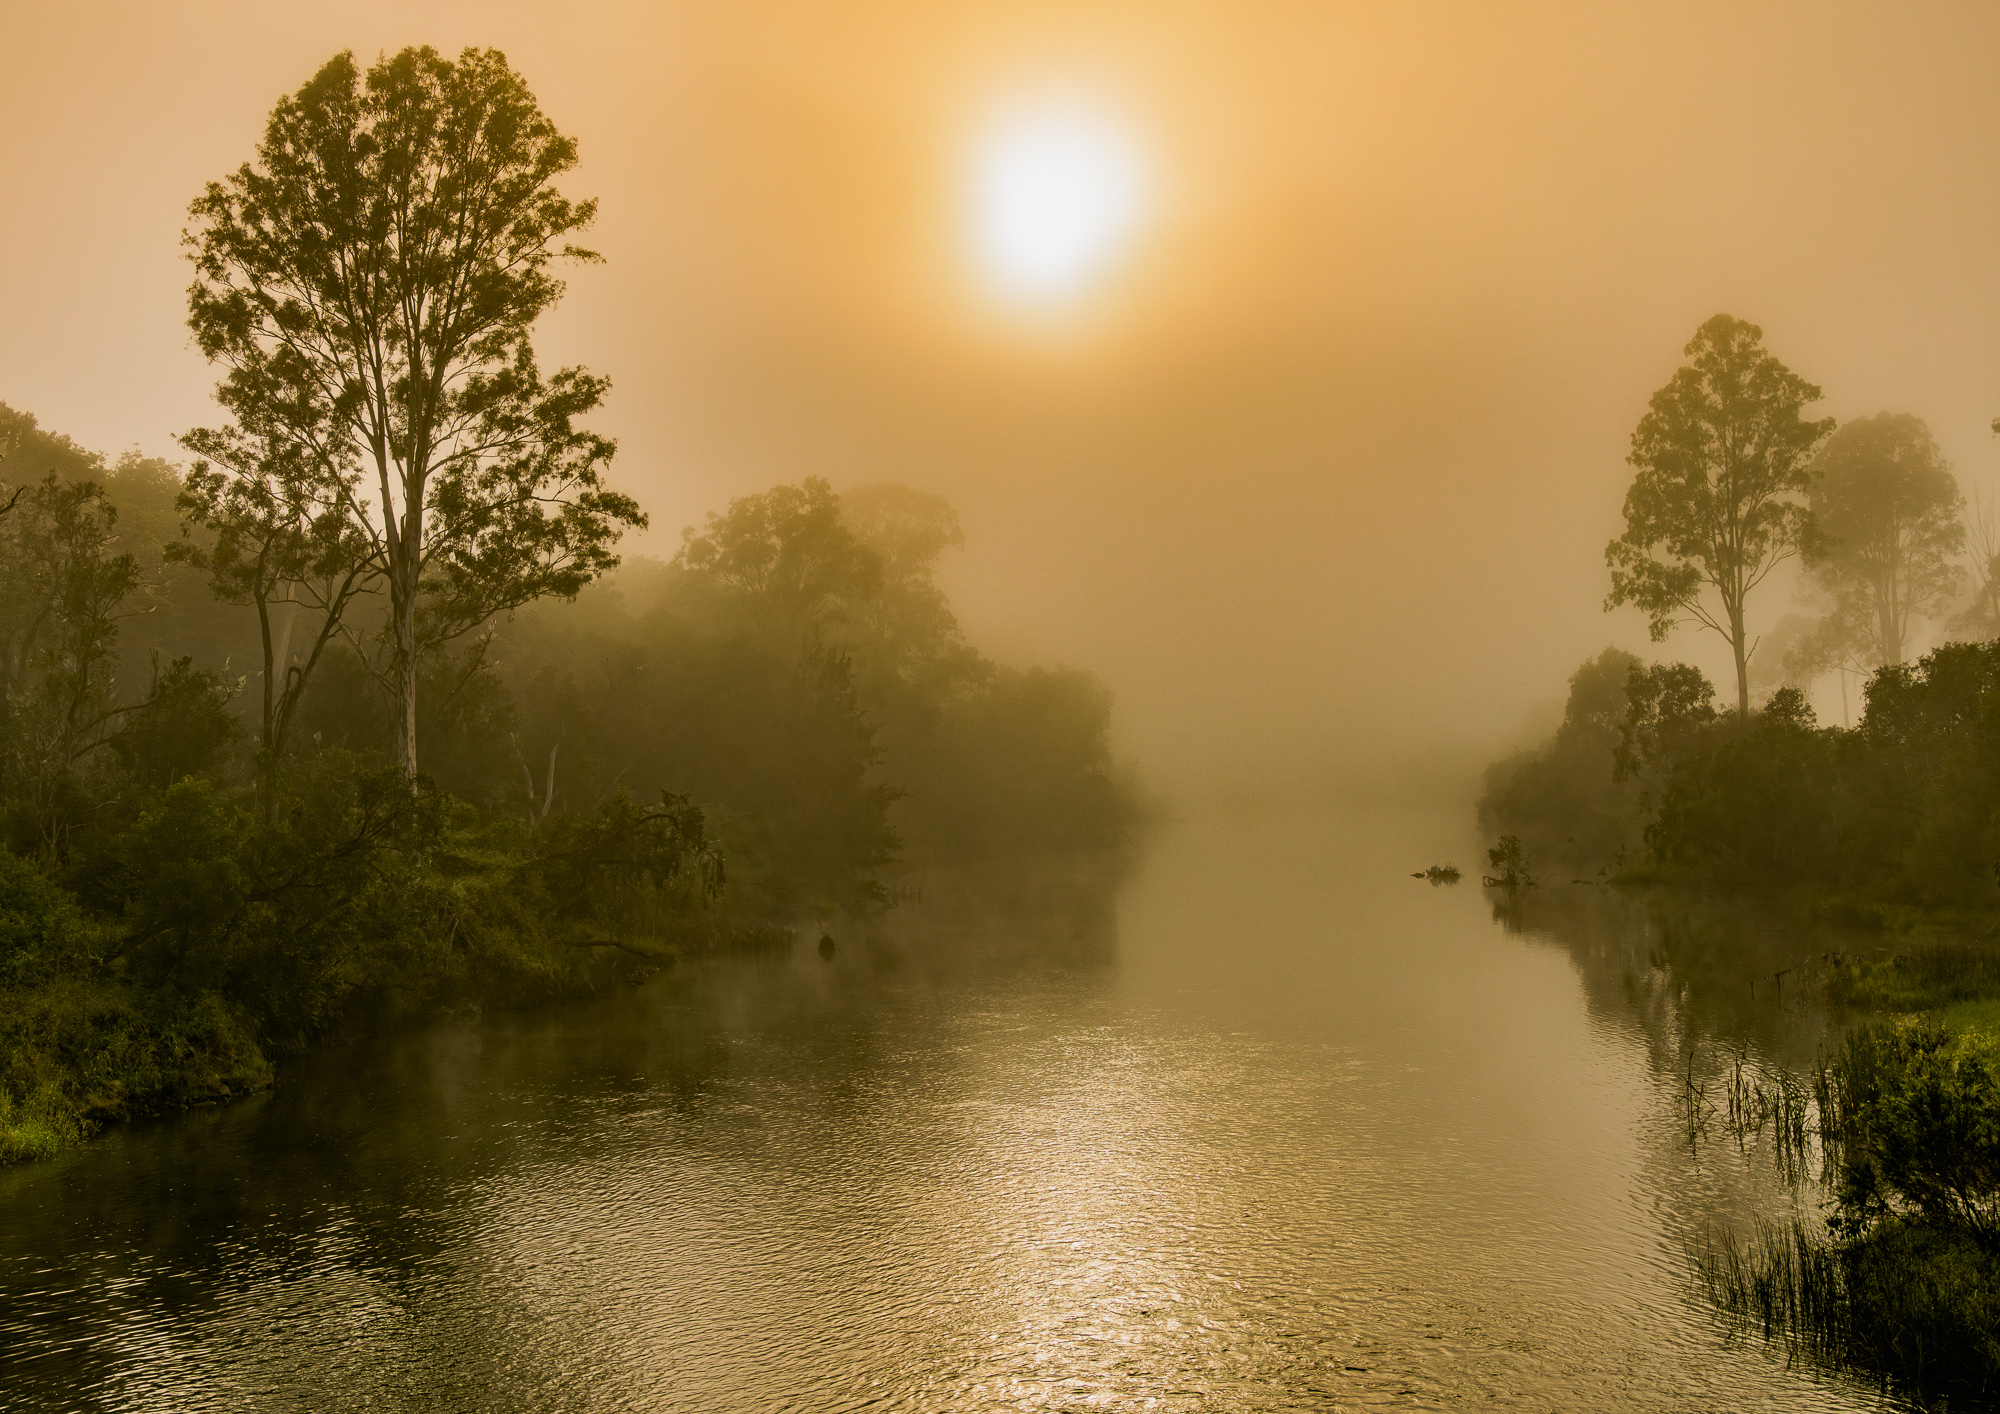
(207, 943)
(1956, 983)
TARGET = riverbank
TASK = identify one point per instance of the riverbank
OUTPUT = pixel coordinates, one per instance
(90, 1038)
(1861, 1075)
(1260, 1110)
(1956, 983)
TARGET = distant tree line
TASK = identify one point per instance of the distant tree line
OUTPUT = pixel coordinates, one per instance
(1648, 771)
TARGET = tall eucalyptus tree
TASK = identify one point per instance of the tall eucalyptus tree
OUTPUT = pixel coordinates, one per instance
(1723, 459)
(370, 283)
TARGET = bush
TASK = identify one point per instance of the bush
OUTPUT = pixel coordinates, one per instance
(78, 1052)
(1917, 1115)
(1563, 798)
(1907, 1281)
(1924, 1302)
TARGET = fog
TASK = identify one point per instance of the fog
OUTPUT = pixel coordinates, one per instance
(1320, 472)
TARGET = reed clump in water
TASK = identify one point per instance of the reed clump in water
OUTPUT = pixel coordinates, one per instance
(1757, 1096)
(1905, 1280)
(1786, 1282)
(1909, 1299)
(1509, 861)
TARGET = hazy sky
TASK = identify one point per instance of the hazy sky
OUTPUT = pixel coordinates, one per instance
(1330, 456)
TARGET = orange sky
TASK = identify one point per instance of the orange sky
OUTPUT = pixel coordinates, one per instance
(1332, 456)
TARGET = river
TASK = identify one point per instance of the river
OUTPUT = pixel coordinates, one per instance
(1270, 1126)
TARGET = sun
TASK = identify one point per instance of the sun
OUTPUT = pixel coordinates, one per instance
(1057, 193)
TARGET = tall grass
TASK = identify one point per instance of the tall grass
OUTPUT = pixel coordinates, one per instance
(1908, 1300)
(1922, 978)
(1787, 1282)
(1897, 1284)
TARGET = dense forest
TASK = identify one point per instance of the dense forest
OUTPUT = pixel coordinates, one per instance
(1888, 827)
(210, 859)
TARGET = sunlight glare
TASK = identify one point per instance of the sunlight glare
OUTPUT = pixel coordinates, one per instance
(1056, 195)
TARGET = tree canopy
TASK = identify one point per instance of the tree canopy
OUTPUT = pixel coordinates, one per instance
(370, 283)
(1722, 458)
(785, 551)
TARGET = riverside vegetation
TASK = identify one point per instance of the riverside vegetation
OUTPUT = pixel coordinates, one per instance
(672, 763)
(1888, 825)
(358, 719)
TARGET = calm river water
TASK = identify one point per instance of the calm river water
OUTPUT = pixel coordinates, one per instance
(1273, 1127)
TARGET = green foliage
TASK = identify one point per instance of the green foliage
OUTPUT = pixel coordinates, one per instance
(79, 1043)
(370, 284)
(182, 727)
(1723, 460)
(79, 1051)
(29, 454)
(629, 876)
(785, 555)
(1917, 1112)
(61, 586)
(276, 535)
(1929, 977)
(1924, 1303)
(1670, 707)
(1909, 1284)
(43, 933)
(1899, 811)
(1747, 802)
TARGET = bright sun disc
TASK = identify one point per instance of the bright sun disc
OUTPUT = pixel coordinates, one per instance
(1056, 195)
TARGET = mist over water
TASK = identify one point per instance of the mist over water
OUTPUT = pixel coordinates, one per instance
(1275, 1126)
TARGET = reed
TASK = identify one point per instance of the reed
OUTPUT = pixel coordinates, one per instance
(1788, 1283)
(1912, 1302)
(1904, 1280)
(1756, 1096)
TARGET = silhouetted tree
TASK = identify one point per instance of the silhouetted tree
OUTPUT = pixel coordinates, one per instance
(1722, 457)
(370, 282)
(1886, 532)
(786, 553)
(1668, 708)
(905, 632)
